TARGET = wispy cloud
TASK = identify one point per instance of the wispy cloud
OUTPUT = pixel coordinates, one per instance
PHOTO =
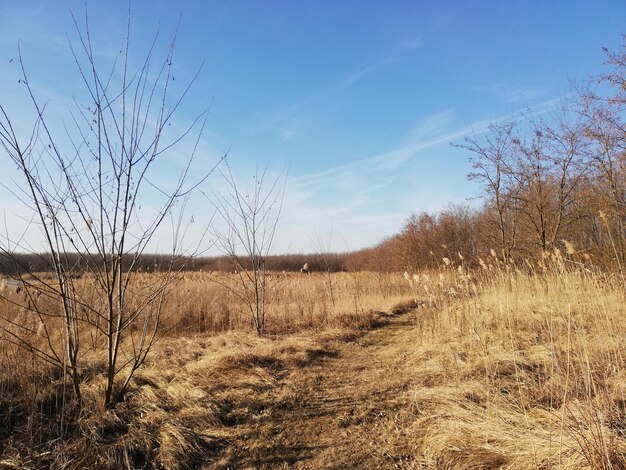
(512, 95)
(287, 119)
(394, 55)
(431, 131)
(433, 124)
(358, 75)
(413, 44)
(352, 191)
(366, 190)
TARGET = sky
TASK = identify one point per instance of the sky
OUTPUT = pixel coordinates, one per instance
(358, 100)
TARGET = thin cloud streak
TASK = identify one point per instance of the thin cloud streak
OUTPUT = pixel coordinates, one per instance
(511, 95)
(384, 162)
(317, 197)
(278, 118)
(392, 160)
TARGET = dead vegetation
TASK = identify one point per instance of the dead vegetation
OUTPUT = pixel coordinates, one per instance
(529, 373)
(209, 302)
(505, 366)
(508, 368)
(207, 372)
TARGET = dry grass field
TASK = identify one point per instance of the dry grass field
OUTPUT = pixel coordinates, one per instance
(515, 368)
(210, 302)
(184, 393)
(528, 373)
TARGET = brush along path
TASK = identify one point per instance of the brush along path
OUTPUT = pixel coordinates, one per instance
(340, 410)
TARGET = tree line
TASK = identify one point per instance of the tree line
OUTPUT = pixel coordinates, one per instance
(550, 181)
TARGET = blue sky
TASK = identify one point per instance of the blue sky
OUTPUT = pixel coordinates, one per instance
(360, 99)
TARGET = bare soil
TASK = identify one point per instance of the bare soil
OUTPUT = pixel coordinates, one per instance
(343, 409)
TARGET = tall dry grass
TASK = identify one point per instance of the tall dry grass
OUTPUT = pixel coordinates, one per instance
(514, 366)
(208, 370)
(210, 302)
(524, 367)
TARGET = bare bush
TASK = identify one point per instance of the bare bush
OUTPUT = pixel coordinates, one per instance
(86, 189)
(250, 215)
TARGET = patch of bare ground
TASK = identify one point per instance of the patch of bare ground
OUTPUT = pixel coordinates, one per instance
(340, 410)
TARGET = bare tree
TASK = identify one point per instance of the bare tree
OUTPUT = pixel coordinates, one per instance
(605, 130)
(568, 157)
(492, 163)
(250, 214)
(323, 251)
(86, 187)
(549, 167)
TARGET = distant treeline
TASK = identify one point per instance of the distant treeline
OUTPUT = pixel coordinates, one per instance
(12, 264)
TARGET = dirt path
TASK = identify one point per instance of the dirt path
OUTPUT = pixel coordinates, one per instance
(342, 411)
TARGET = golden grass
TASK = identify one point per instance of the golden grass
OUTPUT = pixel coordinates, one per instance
(505, 368)
(528, 373)
(209, 302)
(209, 370)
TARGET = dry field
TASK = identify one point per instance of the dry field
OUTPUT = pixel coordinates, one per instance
(207, 347)
(528, 373)
(516, 368)
(211, 302)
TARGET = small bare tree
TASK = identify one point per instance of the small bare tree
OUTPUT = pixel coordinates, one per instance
(323, 251)
(250, 214)
(605, 130)
(492, 164)
(86, 187)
